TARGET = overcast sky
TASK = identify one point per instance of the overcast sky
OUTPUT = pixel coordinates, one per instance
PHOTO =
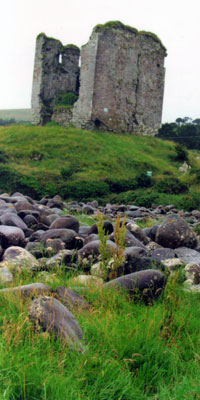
(176, 22)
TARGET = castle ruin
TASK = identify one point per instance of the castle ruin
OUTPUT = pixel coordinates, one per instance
(121, 80)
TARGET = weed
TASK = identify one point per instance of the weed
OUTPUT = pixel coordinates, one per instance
(106, 253)
(119, 236)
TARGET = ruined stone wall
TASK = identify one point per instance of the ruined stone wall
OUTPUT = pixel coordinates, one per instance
(63, 116)
(56, 71)
(122, 81)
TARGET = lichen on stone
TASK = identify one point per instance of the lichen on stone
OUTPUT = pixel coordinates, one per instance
(40, 35)
(153, 36)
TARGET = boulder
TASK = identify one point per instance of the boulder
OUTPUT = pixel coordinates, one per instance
(90, 238)
(137, 232)
(162, 254)
(187, 255)
(30, 220)
(53, 246)
(11, 219)
(107, 226)
(175, 232)
(17, 257)
(24, 205)
(130, 240)
(5, 275)
(147, 284)
(63, 257)
(70, 299)
(55, 318)
(36, 249)
(172, 263)
(92, 248)
(192, 272)
(33, 289)
(88, 280)
(68, 236)
(11, 236)
(67, 222)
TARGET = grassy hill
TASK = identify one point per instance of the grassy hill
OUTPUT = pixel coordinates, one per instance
(84, 165)
(23, 114)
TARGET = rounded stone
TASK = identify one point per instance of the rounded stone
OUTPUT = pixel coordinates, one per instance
(57, 320)
(148, 283)
(67, 236)
(175, 232)
(11, 219)
(17, 257)
(67, 222)
(11, 236)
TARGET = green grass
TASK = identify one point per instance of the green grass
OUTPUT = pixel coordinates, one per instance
(133, 351)
(83, 165)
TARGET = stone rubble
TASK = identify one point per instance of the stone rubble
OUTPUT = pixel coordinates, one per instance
(52, 240)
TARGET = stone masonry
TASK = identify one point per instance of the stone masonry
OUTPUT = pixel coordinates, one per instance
(121, 80)
(56, 71)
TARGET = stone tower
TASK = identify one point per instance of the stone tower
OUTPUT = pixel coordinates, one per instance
(56, 71)
(122, 81)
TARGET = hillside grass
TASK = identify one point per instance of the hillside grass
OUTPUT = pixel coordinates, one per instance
(83, 165)
(132, 351)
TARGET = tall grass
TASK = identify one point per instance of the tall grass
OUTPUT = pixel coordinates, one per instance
(133, 351)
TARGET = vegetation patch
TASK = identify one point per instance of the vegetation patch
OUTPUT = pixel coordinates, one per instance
(65, 99)
(82, 165)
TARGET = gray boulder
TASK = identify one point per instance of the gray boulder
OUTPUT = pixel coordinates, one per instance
(11, 219)
(162, 254)
(187, 255)
(17, 257)
(11, 236)
(92, 248)
(63, 257)
(68, 236)
(70, 299)
(107, 226)
(5, 275)
(130, 240)
(53, 317)
(67, 222)
(147, 284)
(137, 232)
(33, 289)
(175, 232)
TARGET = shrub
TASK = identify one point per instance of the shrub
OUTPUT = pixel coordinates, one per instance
(171, 185)
(3, 157)
(66, 99)
(181, 152)
(143, 180)
(84, 191)
(121, 185)
(105, 253)
(68, 171)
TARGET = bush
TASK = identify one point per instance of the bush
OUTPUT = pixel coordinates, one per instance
(143, 180)
(84, 191)
(171, 186)
(3, 157)
(66, 99)
(181, 152)
(67, 172)
(121, 185)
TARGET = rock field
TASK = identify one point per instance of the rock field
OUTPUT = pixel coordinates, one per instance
(39, 236)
